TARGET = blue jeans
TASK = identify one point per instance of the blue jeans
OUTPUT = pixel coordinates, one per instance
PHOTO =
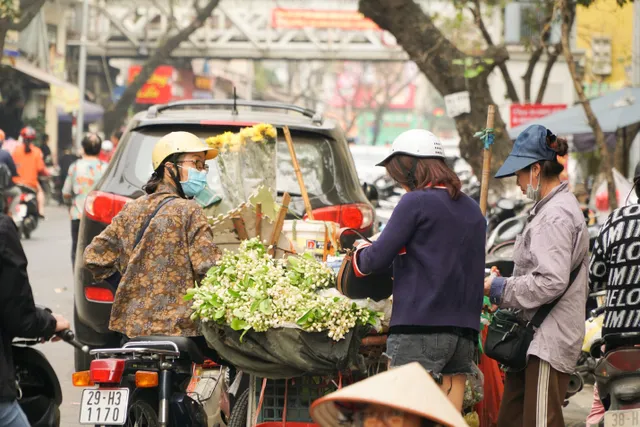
(439, 353)
(11, 415)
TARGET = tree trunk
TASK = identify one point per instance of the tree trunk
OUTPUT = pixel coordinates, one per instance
(568, 12)
(115, 116)
(3, 36)
(433, 53)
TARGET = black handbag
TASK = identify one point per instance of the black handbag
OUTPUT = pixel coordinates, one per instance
(377, 285)
(509, 337)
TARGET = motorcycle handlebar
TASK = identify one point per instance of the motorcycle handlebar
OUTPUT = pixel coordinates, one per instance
(68, 336)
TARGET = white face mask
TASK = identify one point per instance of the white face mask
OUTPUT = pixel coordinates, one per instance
(533, 194)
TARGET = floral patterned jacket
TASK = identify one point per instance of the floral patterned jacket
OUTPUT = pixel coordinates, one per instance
(175, 252)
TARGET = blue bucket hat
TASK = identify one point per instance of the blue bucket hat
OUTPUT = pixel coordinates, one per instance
(530, 147)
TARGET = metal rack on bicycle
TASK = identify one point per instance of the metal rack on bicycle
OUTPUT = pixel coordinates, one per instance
(287, 401)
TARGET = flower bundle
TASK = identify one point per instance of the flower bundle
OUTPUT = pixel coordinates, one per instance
(261, 133)
(250, 290)
(247, 160)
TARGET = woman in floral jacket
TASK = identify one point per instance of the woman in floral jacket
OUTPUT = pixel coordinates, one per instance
(173, 252)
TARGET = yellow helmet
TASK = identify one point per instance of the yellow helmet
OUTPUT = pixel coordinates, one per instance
(180, 142)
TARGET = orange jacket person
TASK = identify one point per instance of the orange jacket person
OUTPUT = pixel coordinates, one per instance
(30, 163)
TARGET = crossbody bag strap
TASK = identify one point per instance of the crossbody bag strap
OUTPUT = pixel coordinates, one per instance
(149, 218)
(544, 311)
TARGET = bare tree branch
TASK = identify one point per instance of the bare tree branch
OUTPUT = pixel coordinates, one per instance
(568, 14)
(118, 111)
(26, 16)
(551, 60)
(537, 54)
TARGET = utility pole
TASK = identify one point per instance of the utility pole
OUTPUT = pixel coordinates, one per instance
(82, 74)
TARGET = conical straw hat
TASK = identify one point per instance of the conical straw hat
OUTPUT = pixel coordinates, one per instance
(408, 388)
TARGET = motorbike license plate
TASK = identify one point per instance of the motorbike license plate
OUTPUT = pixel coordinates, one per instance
(628, 418)
(104, 406)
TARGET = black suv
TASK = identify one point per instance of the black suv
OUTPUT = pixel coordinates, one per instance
(326, 163)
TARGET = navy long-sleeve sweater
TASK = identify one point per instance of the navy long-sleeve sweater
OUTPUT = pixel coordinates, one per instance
(437, 247)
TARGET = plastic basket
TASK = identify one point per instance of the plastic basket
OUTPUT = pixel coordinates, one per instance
(301, 392)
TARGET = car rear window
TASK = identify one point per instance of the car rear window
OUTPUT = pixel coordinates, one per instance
(314, 152)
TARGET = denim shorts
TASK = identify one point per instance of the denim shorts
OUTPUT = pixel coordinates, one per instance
(439, 353)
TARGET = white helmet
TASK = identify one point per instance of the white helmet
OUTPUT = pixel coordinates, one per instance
(416, 143)
(107, 145)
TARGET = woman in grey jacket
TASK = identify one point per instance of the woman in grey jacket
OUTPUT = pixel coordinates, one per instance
(554, 243)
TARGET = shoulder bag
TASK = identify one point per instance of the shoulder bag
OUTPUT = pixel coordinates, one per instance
(377, 285)
(509, 337)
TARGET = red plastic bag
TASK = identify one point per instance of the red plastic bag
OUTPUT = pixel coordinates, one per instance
(493, 389)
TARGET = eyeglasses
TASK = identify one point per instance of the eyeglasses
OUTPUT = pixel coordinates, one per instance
(199, 164)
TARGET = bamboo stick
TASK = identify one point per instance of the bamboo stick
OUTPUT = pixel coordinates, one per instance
(275, 236)
(296, 168)
(241, 229)
(259, 221)
(325, 249)
(486, 165)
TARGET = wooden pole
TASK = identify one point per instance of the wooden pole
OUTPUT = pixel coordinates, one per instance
(486, 165)
(296, 168)
(241, 229)
(325, 251)
(275, 236)
(259, 221)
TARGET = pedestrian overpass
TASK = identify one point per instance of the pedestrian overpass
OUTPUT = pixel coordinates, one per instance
(240, 29)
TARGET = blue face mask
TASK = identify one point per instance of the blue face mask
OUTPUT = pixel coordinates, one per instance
(195, 183)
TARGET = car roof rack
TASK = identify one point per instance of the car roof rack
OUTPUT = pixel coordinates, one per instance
(154, 110)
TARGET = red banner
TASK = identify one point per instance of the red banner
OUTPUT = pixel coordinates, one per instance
(524, 113)
(301, 18)
(157, 90)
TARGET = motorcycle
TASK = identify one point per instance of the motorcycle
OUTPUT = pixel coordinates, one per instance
(155, 381)
(502, 211)
(26, 213)
(617, 376)
(39, 392)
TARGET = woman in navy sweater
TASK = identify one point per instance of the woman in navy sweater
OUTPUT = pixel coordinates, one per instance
(436, 242)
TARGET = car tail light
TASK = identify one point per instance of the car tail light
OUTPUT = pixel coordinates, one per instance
(358, 216)
(103, 207)
(106, 371)
(96, 294)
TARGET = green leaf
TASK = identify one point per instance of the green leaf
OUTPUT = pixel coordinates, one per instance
(305, 318)
(219, 314)
(265, 306)
(188, 297)
(255, 306)
(233, 293)
(238, 324)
